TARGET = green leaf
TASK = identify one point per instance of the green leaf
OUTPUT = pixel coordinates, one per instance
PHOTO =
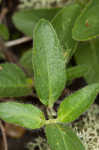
(77, 103)
(26, 62)
(72, 72)
(48, 63)
(25, 115)
(61, 137)
(63, 23)
(87, 24)
(76, 72)
(13, 82)
(25, 20)
(88, 54)
(4, 33)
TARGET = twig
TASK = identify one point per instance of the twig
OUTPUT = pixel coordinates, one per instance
(4, 136)
(18, 41)
(3, 14)
(9, 55)
(6, 99)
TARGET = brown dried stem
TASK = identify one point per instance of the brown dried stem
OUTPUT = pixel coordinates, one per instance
(4, 136)
(17, 42)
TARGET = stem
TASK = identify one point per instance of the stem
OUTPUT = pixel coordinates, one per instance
(3, 13)
(18, 41)
(4, 136)
(51, 121)
(51, 113)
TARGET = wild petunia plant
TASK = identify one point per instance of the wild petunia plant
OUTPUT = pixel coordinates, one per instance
(50, 79)
(52, 49)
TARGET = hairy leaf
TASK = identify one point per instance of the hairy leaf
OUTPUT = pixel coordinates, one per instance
(13, 82)
(88, 54)
(25, 115)
(72, 72)
(87, 24)
(77, 103)
(48, 63)
(61, 137)
(63, 23)
(25, 20)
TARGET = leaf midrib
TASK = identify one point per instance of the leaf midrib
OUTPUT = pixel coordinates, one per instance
(65, 146)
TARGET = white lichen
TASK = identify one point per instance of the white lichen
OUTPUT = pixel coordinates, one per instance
(87, 128)
(39, 143)
(40, 3)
